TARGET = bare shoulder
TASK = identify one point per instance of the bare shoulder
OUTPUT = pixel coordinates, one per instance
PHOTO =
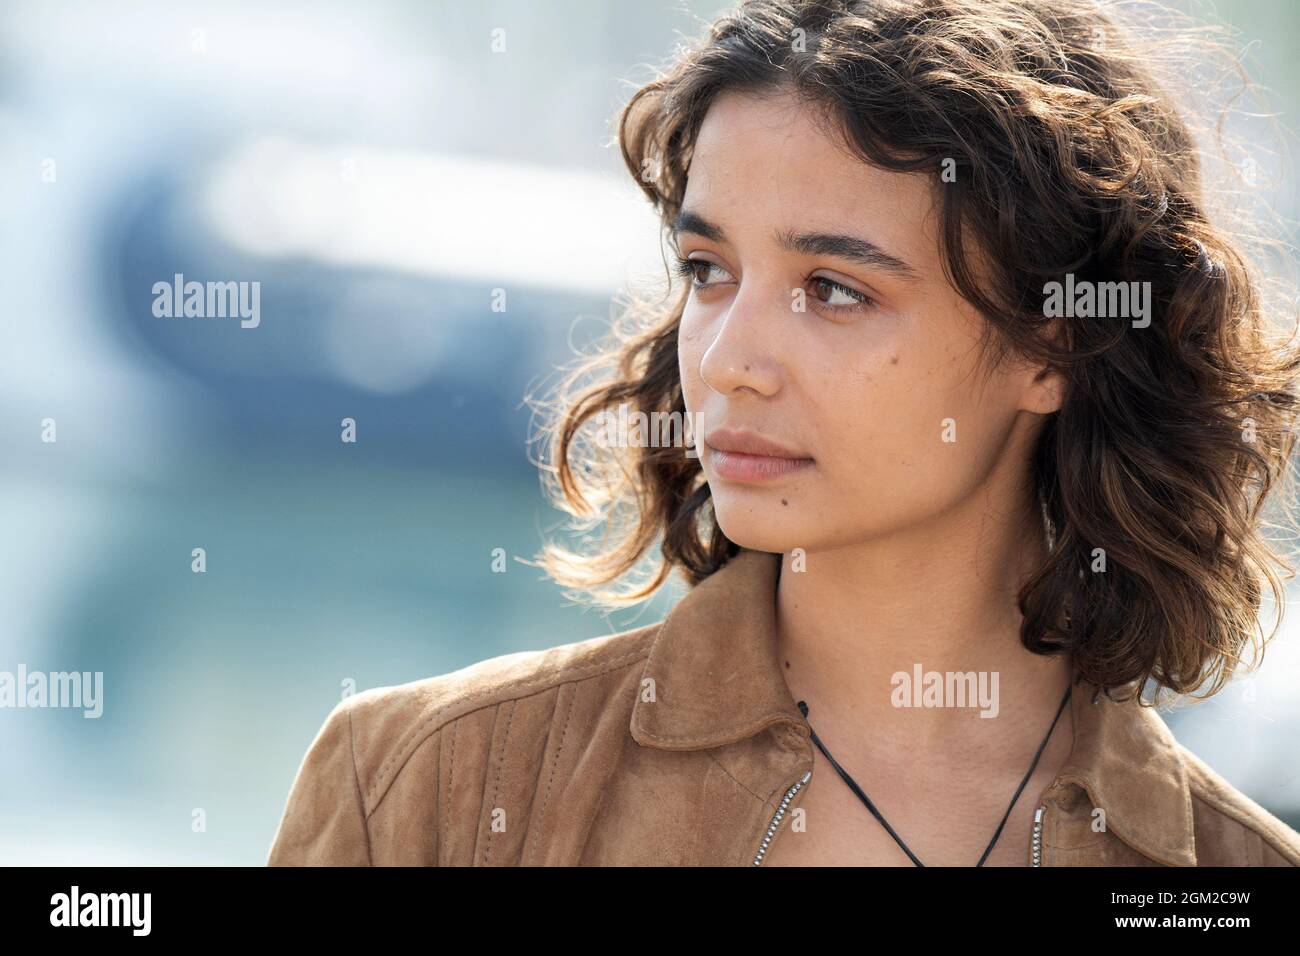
(388, 724)
(1230, 824)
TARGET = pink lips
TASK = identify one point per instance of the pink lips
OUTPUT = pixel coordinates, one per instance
(738, 455)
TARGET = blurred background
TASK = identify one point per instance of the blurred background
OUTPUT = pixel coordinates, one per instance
(379, 169)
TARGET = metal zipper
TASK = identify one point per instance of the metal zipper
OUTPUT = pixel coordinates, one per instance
(778, 816)
(1036, 844)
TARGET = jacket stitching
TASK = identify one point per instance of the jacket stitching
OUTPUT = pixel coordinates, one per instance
(496, 787)
(451, 772)
(525, 689)
(555, 763)
(720, 736)
(1206, 790)
(481, 790)
(356, 781)
(1249, 825)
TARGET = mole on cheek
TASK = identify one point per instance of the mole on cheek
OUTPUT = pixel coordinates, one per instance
(784, 502)
(894, 360)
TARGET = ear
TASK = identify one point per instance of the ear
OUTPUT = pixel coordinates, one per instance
(1045, 392)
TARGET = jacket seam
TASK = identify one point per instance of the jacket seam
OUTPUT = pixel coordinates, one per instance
(1248, 823)
(721, 738)
(451, 772)
(555, 762)
(387, 773)
(496, 787)
(732, 778)
(356, 782)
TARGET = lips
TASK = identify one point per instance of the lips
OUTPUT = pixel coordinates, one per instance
(750, 443)
(747, 456)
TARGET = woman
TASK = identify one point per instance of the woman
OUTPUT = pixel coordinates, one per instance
(984, 410)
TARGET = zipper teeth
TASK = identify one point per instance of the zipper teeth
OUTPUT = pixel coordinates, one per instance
(778, 817)
(1036, 847)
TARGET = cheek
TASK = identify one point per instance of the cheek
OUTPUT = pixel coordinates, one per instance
(884, 411)
(690, 351)
(873, 415)
(918, 432)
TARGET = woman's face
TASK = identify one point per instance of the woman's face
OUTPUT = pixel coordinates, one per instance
(821, 320)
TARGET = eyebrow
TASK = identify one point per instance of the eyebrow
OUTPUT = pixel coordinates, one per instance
(839, 245)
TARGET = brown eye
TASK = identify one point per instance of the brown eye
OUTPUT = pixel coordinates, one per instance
(827, 290)
(698, 270)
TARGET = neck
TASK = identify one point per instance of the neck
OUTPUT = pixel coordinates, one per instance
(940, 598)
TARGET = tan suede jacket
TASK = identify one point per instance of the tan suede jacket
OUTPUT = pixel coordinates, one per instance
(678, 743)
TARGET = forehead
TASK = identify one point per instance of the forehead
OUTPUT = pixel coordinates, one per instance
(771, 162)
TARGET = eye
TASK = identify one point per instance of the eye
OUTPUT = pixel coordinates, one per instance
(697, 271)
(835, 296)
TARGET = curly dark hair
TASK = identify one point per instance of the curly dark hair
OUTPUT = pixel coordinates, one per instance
(1066, 157)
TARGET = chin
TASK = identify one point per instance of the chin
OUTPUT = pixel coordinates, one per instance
(763, 528)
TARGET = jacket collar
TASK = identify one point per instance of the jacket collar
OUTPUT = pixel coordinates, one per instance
(714, 663)
(717, 680)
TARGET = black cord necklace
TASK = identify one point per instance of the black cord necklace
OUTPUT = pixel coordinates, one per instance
(803, 707)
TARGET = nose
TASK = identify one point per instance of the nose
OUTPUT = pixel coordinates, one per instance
(743, 354)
